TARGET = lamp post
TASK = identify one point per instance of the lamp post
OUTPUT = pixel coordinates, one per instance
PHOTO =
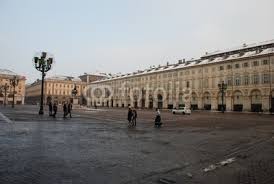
(5, 88)
(14, 82)
(43, 65)
(222, 87)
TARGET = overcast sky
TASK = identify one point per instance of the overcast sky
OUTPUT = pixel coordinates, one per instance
(125, 35)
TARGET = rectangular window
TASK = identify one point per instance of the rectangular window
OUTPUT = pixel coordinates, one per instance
(237, 65)
(246, 80)
(266, 78)
(237, 81)
(221, 68)
(206, 83)
(255, 79)
(265, 62)
(229, 81)
(228, 67)
(255, 63)
(245, 65)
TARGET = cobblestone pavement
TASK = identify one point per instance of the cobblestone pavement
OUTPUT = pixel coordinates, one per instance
(96, 146)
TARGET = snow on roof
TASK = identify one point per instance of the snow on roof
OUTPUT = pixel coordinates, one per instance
(101, 74)
(267, 51)
(233, 56)
(192, 62)
(61, 77)
(7, 72)
(244, 46)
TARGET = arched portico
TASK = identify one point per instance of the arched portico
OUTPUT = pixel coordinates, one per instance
(256, 100)
(207, 101)
(194, 101)
(238, 101)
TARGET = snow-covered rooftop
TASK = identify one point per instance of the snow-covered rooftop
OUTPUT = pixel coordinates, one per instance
(244, 46)
(100, 74)
(7, 72)
(62, 78)
(242, 53)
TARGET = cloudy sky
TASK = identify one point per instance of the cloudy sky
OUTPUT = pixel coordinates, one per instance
(125, 35)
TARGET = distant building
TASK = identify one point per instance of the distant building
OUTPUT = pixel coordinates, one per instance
(5, 76)
(89, 77)
(57, 89)
(247, 70)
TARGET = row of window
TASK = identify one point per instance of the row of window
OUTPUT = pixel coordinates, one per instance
(59, 92)
(245, 65)
(253, 79)
(63, 85)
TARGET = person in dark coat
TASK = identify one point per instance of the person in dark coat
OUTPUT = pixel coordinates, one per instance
(54, 109)
(69, 109)
(158, 122)
(134, 117)
(129, 115)
(65, 109)
(50, 108)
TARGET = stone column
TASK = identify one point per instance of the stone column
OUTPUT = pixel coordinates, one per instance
(214, 103)
(200, 103)
(228, 103)
(246, 103)
(139, 103)
(23, 100)
(265, 103)
(147, 102)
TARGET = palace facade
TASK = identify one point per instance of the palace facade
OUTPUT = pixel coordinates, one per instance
(6, 88)
(58, 89)
(247, 70)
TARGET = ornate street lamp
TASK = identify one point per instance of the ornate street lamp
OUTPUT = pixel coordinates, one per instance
(222, 87)
(14, 82)
(42, 64)
(5, 88)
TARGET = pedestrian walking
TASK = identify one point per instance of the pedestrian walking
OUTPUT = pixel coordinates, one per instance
(134, 117)
(129, 115)
(158, 122)
(50, 108)
(54, 109)
(65, 109)
(69, 109)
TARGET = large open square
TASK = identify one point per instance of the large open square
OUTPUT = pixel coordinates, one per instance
(96, 146)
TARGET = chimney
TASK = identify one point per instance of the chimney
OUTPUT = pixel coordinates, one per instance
(180, 61)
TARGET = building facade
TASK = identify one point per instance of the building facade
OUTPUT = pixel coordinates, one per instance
(248, 72)
(6, 89)
(91, 77)
(57, 89)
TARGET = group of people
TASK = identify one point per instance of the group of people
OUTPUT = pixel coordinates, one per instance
(132, 117)
(67, 108)
(52, 109)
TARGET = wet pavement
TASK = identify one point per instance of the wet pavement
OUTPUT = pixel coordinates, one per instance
(96, 146)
